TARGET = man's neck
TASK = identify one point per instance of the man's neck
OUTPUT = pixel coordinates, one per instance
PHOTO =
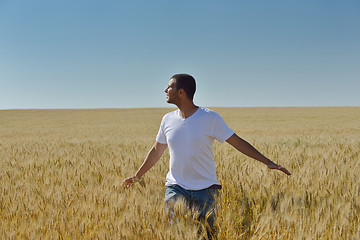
(187, 109)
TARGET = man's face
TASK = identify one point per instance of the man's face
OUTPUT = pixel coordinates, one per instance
(171, 91)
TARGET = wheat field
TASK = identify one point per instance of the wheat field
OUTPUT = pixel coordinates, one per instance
(61, 174)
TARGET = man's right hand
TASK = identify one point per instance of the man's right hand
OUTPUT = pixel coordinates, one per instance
(153, 156)
(130, 181)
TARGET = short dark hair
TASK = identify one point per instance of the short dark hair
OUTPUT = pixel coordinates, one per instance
(186, 82)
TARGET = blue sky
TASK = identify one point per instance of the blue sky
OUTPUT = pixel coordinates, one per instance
(121, 54)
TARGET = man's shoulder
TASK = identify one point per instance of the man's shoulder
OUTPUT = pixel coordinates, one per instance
(203, 111)
(209, 112)
(206, 110)
(170, 115)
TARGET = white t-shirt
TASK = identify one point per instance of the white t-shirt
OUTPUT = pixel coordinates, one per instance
(190, 143)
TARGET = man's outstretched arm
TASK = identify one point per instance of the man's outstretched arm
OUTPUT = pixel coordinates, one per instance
(153, 156)
(246, 148)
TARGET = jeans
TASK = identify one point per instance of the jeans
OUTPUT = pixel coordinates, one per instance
(203, 202)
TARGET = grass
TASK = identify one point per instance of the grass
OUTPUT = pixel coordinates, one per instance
(61, 173)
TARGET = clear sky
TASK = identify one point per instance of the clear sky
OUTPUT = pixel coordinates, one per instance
(121, 54)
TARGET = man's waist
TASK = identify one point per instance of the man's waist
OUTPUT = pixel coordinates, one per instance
(213, 186)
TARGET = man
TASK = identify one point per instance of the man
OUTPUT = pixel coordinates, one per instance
(190, 132)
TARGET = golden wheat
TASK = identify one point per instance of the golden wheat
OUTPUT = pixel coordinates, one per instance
(61, 170)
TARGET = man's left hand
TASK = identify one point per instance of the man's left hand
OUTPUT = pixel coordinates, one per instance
(278, 167)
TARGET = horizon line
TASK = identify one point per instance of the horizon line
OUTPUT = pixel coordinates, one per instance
(95, 108)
